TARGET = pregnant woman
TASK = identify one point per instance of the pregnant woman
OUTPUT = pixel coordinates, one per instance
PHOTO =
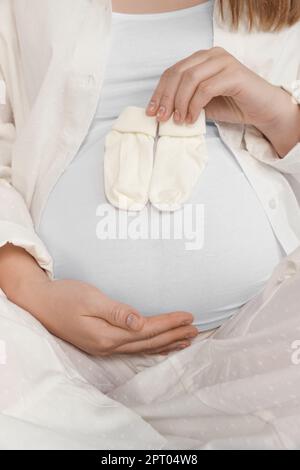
(68, 78)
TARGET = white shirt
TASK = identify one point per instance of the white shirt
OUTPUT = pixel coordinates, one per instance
(234, 251)
(53, 88)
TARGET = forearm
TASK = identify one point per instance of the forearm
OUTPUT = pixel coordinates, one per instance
(19, 269)
(283, 130)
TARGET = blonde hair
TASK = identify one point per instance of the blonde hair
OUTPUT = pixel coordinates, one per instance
(266, 15)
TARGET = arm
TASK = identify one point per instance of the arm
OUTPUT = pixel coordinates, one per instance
(84, 316)
(18, 269)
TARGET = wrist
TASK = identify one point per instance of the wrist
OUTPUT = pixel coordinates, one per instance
(19, 272)
(282, 128)
(33, 296)
(30, 294)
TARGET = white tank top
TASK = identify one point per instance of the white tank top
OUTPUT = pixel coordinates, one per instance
(234, 250)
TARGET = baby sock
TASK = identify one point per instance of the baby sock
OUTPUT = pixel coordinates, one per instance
(128, 160)
(179, 161)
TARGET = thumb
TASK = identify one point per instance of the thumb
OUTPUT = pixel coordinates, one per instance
(124, 316)
(224, 109)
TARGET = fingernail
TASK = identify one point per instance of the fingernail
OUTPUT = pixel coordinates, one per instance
(189, 118)
(191, 335)
(151, 106)
(182, 346)
(133, 322)
(161, 111)
(186, 322)
(177, 116)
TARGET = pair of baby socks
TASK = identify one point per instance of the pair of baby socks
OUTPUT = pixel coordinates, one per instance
(136, 170)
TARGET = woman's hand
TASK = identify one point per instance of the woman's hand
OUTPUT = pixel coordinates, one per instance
(84, 316)
(213, 79)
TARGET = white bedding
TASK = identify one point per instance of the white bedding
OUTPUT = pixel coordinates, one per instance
(239, 388)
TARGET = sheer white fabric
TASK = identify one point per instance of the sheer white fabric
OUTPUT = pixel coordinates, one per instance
(238, 388)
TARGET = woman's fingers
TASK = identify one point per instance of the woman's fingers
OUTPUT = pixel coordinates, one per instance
(115, 313)
(181, 86)
(224, 108)
(162, 341)
(151, 326)
(176, 322)
(159, 324)
(108, 338)
(178, 346)
(189, 84)
(219, 85)
(162, 101)
(124, 316)
(178, 83)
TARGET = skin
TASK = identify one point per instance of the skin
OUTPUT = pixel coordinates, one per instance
(152, 6)
(85, 316)
(215, 80)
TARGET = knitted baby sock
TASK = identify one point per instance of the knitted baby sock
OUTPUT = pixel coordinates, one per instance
(179, 161)
(128, 160)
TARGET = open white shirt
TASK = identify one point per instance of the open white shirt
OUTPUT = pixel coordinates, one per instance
(52, 100)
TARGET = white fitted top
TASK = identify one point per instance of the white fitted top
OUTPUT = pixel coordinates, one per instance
(145, 262)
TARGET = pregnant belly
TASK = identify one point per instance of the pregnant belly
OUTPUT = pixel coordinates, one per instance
(208, 259)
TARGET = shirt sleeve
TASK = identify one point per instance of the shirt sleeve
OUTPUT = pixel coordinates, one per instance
(16, 225)
(262, 150)
(290, 164)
